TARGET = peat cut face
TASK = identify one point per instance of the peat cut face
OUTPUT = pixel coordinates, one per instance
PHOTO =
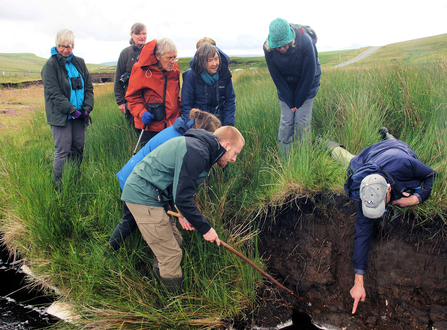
(308, 248)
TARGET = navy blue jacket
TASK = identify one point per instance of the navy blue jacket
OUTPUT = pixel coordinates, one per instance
(400, 162)
(218, 99)
(296, 73)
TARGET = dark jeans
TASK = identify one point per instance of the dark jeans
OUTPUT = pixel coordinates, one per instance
(124, 228)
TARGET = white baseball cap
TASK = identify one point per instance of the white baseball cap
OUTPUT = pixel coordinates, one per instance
(373, 190)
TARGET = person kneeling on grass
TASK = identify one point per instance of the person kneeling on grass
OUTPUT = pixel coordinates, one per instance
(388, 171)
(198, 120)
(171, 174)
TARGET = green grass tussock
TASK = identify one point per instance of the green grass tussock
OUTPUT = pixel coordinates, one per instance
(63, 235)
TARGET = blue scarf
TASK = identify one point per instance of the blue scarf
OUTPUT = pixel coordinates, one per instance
(209, 79)
(76, 96)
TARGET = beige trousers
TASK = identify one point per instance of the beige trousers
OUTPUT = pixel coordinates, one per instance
(342, 156)
(161, 234)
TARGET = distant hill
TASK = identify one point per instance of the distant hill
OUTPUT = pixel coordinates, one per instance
(109, 63)
(412, 51)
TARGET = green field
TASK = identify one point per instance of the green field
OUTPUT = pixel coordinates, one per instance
(62, 235)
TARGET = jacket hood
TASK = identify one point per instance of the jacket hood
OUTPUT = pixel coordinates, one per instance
(147, 55)
(210, 140)
(182, 124)
(224, 70)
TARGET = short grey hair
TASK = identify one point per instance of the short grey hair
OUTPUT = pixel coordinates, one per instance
(165, 46)
(63, 36)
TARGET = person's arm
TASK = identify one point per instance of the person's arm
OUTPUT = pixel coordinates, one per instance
(364, 230)
(308, 69)
(229, 107)
(189, 169)
(88, 89)
(280, 81)
(134, 95)
(53, 91)
(358, 291)
(118, 89)
(188, 93)
(420, 171)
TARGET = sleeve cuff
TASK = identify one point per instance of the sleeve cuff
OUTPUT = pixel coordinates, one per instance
(359, 271)
(418, 196)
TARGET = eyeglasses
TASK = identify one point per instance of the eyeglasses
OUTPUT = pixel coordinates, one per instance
(66, 47)
(171, 58)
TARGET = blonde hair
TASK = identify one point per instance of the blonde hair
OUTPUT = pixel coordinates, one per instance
(65, 35)
(229, 134)
(204, 120)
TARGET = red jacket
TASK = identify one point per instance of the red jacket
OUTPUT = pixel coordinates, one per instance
(148, 79)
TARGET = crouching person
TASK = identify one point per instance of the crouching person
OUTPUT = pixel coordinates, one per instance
(171, 174)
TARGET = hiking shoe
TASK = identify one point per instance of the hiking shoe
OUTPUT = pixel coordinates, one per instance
(383, 132)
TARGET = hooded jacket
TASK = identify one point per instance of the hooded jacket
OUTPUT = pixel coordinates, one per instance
(409, 174)
(148, 81)
(60, 99)
(181, 125)
(296, 73)
(218, 99)
(172, 172)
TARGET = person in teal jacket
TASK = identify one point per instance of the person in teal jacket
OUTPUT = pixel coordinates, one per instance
(198, 120)
(171, 174)
(68, 92)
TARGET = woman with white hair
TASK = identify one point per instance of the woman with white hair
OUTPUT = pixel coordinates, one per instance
(153, 94)
(68, 92)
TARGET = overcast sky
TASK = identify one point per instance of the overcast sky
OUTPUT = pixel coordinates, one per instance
(102, 28)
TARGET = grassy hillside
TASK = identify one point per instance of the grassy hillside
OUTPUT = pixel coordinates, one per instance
(415, 51)
(410, 52)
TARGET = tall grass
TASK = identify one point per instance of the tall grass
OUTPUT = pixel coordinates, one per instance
(62, 235)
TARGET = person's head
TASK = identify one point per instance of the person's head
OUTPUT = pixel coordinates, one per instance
(205, 39)
(65, 42)
(166, 54)
(138, 35)
(375, 193)
(207, 58)
(232, 140)
(204, 120)
(281, 35)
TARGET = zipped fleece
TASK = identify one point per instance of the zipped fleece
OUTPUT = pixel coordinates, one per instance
(148, 79)
(57, 89)
(172, 172)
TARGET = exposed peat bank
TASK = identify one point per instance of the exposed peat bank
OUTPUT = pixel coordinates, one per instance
(308, 247)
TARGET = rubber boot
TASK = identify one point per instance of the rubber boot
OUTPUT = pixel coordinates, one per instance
(385, 134)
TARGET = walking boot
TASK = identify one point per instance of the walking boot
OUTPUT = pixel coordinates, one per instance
(385, 134)
(172, 286)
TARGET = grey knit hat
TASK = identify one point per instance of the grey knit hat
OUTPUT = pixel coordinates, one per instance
(280, 33)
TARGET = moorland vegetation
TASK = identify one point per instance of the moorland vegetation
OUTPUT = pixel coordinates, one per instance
(62, 235)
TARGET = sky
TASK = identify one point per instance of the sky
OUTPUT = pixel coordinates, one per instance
(239, 27)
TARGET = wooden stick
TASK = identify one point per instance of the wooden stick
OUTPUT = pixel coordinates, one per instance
(240, 255)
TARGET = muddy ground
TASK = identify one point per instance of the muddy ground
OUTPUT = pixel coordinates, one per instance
(308, 247)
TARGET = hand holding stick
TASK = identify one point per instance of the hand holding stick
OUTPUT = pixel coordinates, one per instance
(240, 255)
